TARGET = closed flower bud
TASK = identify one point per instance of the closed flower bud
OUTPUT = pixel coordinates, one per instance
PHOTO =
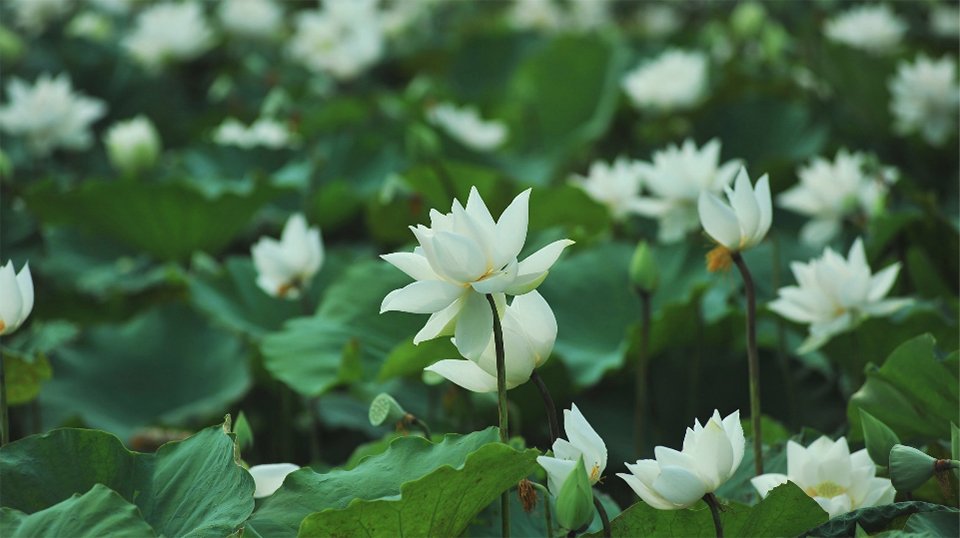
(878, 437)
(384, 409)
(643, 269)
(132, 145)
(909, 467)
(575, 500)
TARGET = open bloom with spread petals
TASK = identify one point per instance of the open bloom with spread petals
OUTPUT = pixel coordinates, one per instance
(925, 98)
(834, 294)
(466, 126)
(251, 18)
(286, 267)
(49, 115)
(582, 440)
(16, 297)
(343, 38)
(745, 221)
(675, 178)
(826, 471)
(462, 256)
(711, 454)
(529, 331)
(675, 80)
(831, 191)
(169, 32)
(269, 477)
(615, 185)
(873, 28)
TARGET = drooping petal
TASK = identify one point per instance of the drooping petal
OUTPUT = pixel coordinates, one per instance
(421, 297)
(647, 494)
(440, 323)
(414, 265)
(719, 221)
(538, 321)
(269, 477)
(512, 229)
(679, 485)
(465, 373)
(543, 259)
(557, 471)
(474, 328)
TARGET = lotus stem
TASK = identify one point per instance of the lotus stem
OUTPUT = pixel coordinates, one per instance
(4, 416)
(603, 517)
(548, 404)
(501, 405)
(640, 385)
(547, 516)
(753, 361)
(714, 505)
(412, 419)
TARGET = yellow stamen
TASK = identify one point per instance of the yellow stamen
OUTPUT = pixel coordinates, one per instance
(719, 259)
(594, 473)
(826, 489)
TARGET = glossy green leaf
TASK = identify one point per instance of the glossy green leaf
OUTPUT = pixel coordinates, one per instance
(193, 487)
(168, 220)
(441, 503)
(96, 513)
(934, 524)
(407, 358)
(308, 353)
(167, 365)
(875, 518)
(913, 392)
(786, 511)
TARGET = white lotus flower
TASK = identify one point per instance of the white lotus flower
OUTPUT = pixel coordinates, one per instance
(529, 331)
(343, 39)
(251, 18)
(945, 20)
(16, 297)
(133, 144)
(286, 267)
(675, 80)
(91, 25)
(675, 178)
(745, 221)
(835, 294)
(926, 98)
(583, 441)
(463, 256)
(615, 185)
(535, 14)
(269, 477)
(169, 32)
(826, 471)
(674, 480)
(33, 15)
(658, 20)
(467, 127)
(873, 28)
(49, 115)
(831, 191)
(264, 132)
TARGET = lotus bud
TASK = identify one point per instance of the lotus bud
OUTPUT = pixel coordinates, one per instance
(132, 145)
(909, 467)
(643, 269)
(575, 501)
(384, 409)
(878, 437)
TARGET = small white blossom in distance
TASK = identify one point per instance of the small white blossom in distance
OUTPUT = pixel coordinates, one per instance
(743, 221)
(615, 185)
(49, 115)
(251, 18)
(874, 28)
(675, 80)
(286, 267)
(343, 39)
(34, 15)
(265, 132)
(169, 32)
(582, 440)
(945, 20)
(132, 145)
(465, 125)
(926, 98)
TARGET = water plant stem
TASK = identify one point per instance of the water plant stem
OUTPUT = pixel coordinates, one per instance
(4, 416)
(603, 517)
(548, 404)
(753, 361)
(501, 404)
(640, 385)
(714, 505)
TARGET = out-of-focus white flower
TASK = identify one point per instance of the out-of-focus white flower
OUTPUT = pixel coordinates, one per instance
(466, 126)
(400, 16)
(251, 18)
(91, 25)
(831, 191)
(826, 471)
(529, 331)
(16, 297)
(33, 15)
(269, 477)
(675, 178)
(674, 480)
(926, 98)
(115, 7)
(835, 294)
(945, 20)
(745, 220)
(343, 39)
(873, 28)
(616, 185)
(675, 80)
(264, 132)
(49, 115)
(285, 267)
(588, 14)
(461, 257)
(583, 441)
(132, 145)
(535, 14)
(169, 32)
(658, 20)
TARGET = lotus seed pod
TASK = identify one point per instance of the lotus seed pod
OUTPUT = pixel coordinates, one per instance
(909, 467)
(384, 409)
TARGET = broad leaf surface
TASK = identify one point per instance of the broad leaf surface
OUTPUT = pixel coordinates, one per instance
(98, 512)
(875, 518)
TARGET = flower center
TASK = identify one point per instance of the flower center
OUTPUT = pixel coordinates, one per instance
(594, 473)
(719, 259)
(826, 489)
